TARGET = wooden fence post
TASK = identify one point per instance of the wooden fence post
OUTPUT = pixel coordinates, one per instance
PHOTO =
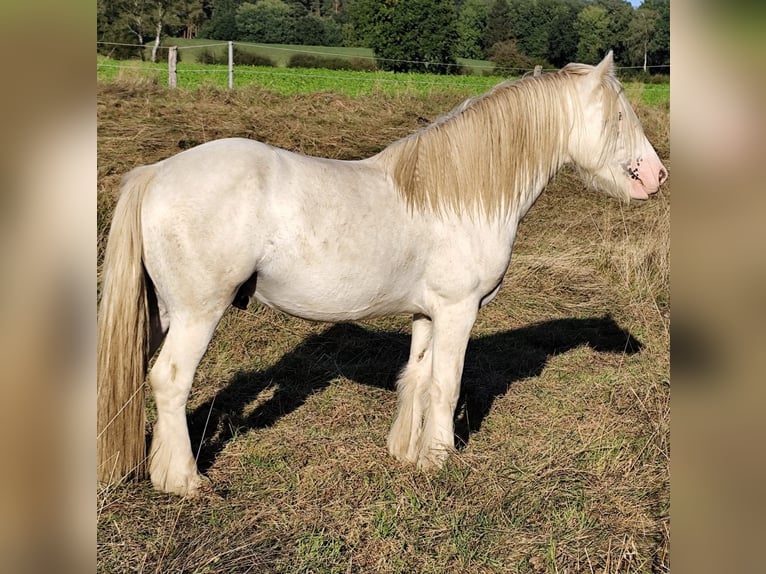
(231, 64)
(538, 70)
(172, 60)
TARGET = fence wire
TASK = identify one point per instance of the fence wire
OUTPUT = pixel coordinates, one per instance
(338, 77)
(362, 57)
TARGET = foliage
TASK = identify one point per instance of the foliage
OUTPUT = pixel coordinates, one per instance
(414, 35)
(640, 33)
(188, 17)
(318, 31)
(222, 24)
(246, 58)
(471, 28)
(499, 24)
(547, 32)
(544, 29)
(207, 56)
(508, 59)
(592, 25)
(268, 21)
(330, 63)
(241, 58)
(659, 45)
(119, 25)
(619, 15)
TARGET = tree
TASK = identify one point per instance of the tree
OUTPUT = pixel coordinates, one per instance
(361, 26)
(222, 24)
(562, 35)
(498, 24)
(530, 27)
(592, 25)
(122, 22)
(268, 21)
(317, 31)
(471, 28)
(619, 14)
(190, 14)
(136, 21)
(543, 29)
(659, 45)
(640, 33)
(413, 35)
(163, 13)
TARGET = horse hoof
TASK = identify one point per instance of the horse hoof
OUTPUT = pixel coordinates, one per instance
(197, 485)
(433, 458)
(186, 487)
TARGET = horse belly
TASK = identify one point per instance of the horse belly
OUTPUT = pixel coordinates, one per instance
(334, 292)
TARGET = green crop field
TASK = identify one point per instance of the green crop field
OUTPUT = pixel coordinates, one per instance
(296, 80)
(289, 81)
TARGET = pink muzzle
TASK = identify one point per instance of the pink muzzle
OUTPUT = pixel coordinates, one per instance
(646, 175)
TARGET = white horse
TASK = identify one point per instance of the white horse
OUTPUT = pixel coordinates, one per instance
(425, 227)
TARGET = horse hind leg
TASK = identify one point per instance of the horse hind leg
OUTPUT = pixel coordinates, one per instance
(172, 466)
(412, 387)
(158, 317)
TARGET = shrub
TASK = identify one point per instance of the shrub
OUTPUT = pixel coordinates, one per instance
(330, 63)
(362, 64)
(508, 58)
(206, 56)
(246, 58)
(638, 75)
(241, 58)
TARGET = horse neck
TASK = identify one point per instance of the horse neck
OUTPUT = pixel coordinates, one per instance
(491, 157)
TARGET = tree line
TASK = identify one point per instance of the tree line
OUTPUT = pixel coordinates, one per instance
(408, 35)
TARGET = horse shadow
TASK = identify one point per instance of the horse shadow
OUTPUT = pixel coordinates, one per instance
(493, 363)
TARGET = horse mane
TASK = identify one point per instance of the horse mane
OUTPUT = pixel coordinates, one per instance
(490, 152)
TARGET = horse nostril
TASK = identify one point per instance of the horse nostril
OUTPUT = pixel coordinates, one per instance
(663, 175)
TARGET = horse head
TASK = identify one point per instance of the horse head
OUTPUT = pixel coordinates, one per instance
(608, 142)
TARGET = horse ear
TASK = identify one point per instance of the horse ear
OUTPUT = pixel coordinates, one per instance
(607, 65)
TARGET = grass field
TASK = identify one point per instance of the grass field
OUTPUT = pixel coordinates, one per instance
(563, 421)
(280, 53)
(307, 81)
(295, 80)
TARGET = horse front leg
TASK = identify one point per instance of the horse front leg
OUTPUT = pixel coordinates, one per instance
(172, 466)
(412, 387)
(451, 331)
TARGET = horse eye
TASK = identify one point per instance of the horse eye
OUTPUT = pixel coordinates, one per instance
(619, 115)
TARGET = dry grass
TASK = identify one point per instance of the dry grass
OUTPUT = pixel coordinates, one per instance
(563, 419)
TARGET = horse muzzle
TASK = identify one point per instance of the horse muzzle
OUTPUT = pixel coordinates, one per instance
(646, 175)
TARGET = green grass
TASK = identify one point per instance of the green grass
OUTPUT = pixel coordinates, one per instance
(280, 53)
(652, 94)
(290, 81)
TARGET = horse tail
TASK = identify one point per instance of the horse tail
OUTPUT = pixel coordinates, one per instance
(123, 339)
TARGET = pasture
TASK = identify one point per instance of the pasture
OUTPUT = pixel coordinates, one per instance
(563, 419)
(288, 81)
